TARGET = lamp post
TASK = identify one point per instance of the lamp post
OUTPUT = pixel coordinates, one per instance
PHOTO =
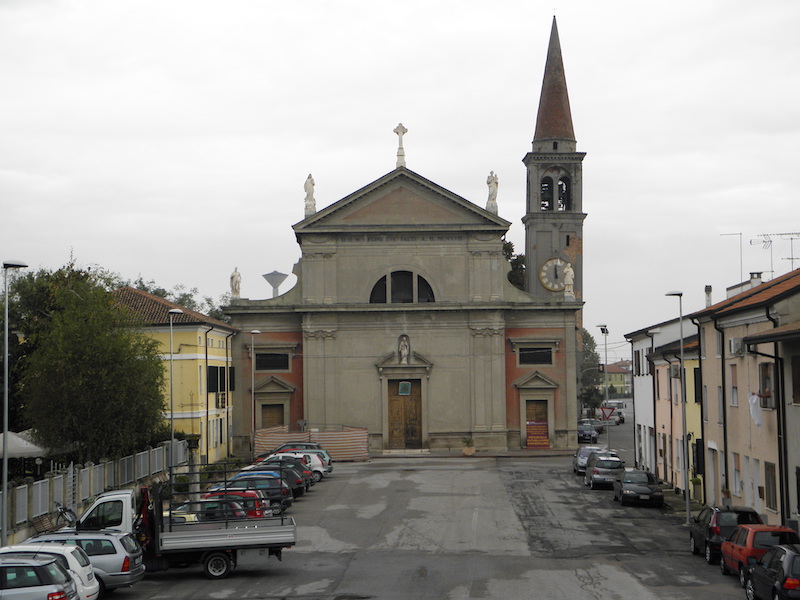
(604, 331)
(253, 390)
(172, 312)
(683, 411)
(11, 264)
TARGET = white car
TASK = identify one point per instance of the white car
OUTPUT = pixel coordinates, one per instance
(72, 558)
(313, 461)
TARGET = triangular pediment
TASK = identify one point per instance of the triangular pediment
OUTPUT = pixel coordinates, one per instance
(273, 384)
(392, 360)
(402, 200)
(535, 380)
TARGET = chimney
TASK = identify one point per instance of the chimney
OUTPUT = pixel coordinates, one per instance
(755, 279)
(708, 296)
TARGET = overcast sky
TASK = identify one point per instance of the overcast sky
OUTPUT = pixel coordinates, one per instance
(171, 139)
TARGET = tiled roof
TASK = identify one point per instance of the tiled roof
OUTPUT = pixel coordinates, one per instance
(784, 332)
(154, 310)
(690, 344)
(761, 295)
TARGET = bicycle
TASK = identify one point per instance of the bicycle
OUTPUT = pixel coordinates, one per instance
(66, 516)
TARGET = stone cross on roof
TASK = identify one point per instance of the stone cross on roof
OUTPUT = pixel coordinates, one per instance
(401, 153)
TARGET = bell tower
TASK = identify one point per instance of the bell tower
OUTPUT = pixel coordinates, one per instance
(554, 210)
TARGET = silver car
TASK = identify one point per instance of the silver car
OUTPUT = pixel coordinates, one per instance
(581, 456)
(602, 469)
(71, 558)
(117, 558)
(35, 579)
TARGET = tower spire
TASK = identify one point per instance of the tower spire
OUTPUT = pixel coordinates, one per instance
(554, 119)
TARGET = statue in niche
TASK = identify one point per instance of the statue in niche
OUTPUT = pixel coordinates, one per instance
(311, 203)
(403, 349)
(569, 280)
(236, 283)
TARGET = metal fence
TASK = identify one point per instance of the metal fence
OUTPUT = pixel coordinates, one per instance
(73, 485)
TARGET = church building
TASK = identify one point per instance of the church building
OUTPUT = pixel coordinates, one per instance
(403, 320)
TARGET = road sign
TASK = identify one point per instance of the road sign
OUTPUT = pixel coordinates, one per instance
(607, 412)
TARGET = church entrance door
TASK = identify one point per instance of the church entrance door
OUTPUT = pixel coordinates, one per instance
(405, 414)
(271, 415)
(536, 424)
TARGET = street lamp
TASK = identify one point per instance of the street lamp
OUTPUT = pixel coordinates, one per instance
(604, 331)
(253, 390)
(172, 312)
(11, 264)
(683, 412)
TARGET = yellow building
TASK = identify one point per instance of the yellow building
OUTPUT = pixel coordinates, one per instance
(198, 399)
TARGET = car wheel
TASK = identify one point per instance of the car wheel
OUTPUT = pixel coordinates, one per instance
(750, 591)
(709, 555)
(742, 575)
(276, 508)
(217, 565)
(723, 568)
(693, 545)
(317, 476)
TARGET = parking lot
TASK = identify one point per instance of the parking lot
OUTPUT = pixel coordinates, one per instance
(452, 527)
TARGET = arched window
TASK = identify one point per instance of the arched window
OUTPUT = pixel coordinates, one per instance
(564, 194)
(546, 196)
(401, 287)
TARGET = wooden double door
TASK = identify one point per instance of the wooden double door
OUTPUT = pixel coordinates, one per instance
(405, 413)
(537, 429)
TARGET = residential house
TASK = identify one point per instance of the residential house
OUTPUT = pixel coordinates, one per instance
(197, 352)
(747, 411)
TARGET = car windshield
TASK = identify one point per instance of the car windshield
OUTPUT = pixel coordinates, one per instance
(726, 519)
(608, 464)
(131, 545)
(768, 539)
(637, 478)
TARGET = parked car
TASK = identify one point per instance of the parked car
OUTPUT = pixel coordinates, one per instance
(715, 524)
(30, 579)
(115, 556)
(302, 445)
(314, 462)
(292, 478)
(776, 576)
(596, 423)
(602, 468)
(71, 558)
(581, 456)
(295, 463)
(637, 486)
(253, 502)
(751, 540)
(274, 488)
(327, 461)
(587, 433)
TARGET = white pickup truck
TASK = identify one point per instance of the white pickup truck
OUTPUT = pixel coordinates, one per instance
(217, 545)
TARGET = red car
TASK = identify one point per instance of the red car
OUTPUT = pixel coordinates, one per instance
(252, 501)
(751, 540)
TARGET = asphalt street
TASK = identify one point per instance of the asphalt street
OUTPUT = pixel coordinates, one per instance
(487, 527)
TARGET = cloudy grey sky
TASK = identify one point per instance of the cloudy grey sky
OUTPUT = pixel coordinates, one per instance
(171, 139)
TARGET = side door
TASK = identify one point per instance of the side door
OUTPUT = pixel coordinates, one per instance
(699, 528)
(760, 574)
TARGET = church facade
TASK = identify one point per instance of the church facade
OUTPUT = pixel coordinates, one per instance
(403, 321)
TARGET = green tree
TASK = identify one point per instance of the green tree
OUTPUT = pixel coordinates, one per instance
(517, 274)
(590, 376)
(91, 382)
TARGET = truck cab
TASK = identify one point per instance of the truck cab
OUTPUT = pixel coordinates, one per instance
(111, 510)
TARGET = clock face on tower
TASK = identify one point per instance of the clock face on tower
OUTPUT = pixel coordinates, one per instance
(551, 274)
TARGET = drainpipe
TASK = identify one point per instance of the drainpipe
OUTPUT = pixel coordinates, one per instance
(698, 384)
(636, 440)
(208, 429)
(228, 361)
(783, 459)
(651, 370)
(671, 417)
(724, 406)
